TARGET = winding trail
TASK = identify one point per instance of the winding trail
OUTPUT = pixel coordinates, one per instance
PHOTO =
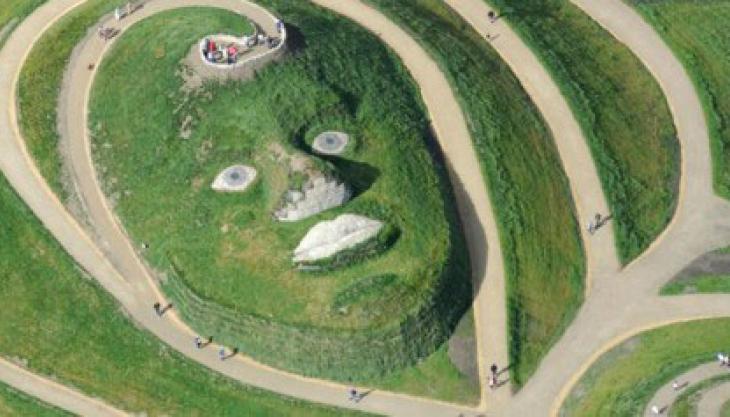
(125, 276)
(55, 394)
(624, 302)
(667, 395)
(620, 304)
(712, 401)
(587, 191)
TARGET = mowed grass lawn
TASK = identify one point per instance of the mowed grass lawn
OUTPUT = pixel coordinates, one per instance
(697, 33)
(698, 284)
(621, 109)
(540, 243)
(63, 325)
(622, 381)
(16, 404)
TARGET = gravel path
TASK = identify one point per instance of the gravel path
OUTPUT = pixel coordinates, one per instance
(712, 401)
(619, 305)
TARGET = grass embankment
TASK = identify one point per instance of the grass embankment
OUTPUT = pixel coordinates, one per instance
(40, 83)
(686, 404)
(17, 404)
(544, 262)
(12, 13)
(228, 263)
(725, 410)
(623, 380)
(64, 325)
(702, 284)
(697, 33)
(621, 109)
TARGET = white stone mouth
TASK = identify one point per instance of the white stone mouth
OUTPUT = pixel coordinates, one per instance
(327, 238)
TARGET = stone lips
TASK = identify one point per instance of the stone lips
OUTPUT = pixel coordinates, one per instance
(235, 178)
(330, 237)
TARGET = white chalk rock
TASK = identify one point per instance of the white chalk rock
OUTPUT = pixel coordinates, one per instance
(319, 195)
(330, 237)
(235, 178)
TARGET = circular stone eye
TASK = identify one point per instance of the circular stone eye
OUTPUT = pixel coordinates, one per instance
(235, 178)
(330, 143)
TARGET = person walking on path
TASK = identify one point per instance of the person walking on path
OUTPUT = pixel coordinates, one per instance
(494, 368)
(353, 395)
(655, 410)
(198, 342)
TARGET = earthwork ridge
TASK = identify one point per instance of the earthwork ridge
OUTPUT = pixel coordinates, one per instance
(702, 221)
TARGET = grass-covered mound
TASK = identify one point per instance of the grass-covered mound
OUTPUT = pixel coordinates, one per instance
(63, 325)
(227, 262)
(621, 109)
(622, 381)
(697, 33)
(17, 404)
(540, 243)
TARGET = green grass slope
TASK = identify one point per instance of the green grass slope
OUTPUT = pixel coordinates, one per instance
(697, 33)
(227, 263)
(622, 381)
(621, 109)
(540, 243)
(17, 404)
(61, 323)
(13, 12)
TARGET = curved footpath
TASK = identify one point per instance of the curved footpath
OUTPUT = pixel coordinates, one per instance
(134, 288)
(627, 304)
(712, 401)
(55, 394)
(587, 192)
(622, 303)
(667, 395)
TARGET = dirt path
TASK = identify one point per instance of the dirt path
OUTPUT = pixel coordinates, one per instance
(55, 394)
(625, 305)
(601, 256)
(666, 395)
(712, 401)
